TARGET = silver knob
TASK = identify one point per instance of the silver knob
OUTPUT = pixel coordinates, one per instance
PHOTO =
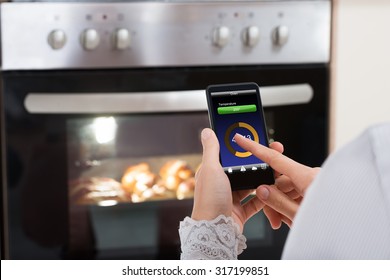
(250, 36)
(90, 39)
(57, 39)
(280, 35)
(122, 39)
(221, 36)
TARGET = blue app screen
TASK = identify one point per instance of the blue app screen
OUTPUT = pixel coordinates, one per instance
(238, 112)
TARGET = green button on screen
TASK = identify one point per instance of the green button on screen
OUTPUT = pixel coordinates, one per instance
(237, 109)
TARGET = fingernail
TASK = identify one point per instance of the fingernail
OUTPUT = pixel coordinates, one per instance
(238, 135)
(206, 133)
(263, 192)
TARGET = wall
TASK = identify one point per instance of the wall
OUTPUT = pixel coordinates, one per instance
(360, 88)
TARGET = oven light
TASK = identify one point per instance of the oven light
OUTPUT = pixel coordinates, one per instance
(104, 129)
(106, 203)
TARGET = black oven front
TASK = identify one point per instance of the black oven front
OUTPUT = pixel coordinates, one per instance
(99, 155)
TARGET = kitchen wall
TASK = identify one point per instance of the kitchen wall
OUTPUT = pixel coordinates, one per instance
(360, 67)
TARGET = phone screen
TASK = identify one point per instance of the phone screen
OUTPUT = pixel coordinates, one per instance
(236, 108)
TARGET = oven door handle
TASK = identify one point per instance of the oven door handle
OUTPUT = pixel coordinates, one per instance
(152, 102)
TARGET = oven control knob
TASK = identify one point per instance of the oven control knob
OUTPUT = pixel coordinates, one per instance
(57, 39)
(90, 39)
(122, 39)
(280, 35)
(221, 36)
(250, 36)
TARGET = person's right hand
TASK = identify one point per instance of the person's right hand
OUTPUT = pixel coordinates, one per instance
(213, 194)
(283, 198)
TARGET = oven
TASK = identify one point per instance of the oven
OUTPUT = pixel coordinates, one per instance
(102, 106)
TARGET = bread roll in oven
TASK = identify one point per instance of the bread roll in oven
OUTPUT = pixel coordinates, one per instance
(133, 174)
(175, 172)
(186, 189)
(96, 189)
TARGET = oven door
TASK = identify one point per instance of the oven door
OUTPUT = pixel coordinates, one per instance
(100, 164)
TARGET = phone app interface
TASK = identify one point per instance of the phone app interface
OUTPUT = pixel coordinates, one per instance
(238, 112)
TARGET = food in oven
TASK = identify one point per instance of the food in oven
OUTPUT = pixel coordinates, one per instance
(139, 182)
(95, 190)
(174, 172)
(186, 189)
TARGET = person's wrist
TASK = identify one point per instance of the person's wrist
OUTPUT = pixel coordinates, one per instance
(208, 215)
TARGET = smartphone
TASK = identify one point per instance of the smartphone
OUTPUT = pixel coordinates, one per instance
(237, 108)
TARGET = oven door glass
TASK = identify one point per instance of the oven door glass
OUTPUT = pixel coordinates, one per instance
(128, 182)
(131, 180)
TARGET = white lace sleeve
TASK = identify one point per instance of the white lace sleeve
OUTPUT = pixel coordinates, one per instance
(219, 239)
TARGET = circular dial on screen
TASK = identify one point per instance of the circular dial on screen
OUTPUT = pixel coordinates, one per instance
(230, 130)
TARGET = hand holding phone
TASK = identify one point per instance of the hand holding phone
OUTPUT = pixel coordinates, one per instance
(237, 108)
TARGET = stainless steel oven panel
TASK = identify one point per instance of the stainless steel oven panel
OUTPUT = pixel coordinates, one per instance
(156, 34)
(152, 102)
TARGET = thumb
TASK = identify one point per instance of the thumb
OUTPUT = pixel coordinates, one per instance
(277, 200)
(210, 147)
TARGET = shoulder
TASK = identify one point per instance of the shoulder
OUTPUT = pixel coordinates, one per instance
(379, 139)
(345, 213)
(371, 148)
(368, 156)
(375, 137)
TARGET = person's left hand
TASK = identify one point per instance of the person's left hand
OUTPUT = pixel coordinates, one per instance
(213, 194)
